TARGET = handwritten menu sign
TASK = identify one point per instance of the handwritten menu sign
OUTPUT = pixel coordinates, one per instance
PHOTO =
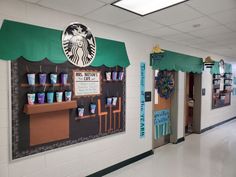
(86, 83)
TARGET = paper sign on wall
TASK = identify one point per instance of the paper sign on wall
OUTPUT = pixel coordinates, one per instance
(162, 123)
(142, 99)
(86, 83)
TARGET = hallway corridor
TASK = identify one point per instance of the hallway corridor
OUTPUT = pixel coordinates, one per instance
(211, 154)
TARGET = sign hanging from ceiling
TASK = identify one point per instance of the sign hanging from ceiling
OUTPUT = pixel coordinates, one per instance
(79, 44)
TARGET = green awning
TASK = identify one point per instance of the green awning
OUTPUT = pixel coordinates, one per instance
(36, 43)
(215, 68)
(176, 61)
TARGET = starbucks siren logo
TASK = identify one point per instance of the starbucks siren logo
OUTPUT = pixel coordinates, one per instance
(78, 44)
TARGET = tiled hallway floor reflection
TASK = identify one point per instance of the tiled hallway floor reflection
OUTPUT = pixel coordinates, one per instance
(211, 154)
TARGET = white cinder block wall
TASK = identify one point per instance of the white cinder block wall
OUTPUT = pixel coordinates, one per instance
(88, 157)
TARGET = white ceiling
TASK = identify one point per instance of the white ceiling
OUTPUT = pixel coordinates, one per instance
(214, 21)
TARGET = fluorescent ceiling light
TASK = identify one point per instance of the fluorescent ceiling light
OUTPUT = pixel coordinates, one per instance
(144, 7)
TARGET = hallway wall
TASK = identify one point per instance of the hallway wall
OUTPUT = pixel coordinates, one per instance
(213, 116)
(88, 157)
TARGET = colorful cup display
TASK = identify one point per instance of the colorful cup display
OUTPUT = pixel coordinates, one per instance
(64, 78)
(42, 78)
(31, 98)
(109, 101)
(31, 78)
(114, 75)
(68, 95)
(92, 108)
(50, 96)
(121, 75)
(114, 101)
(108, 76)
(41, 97)
(53, 78)
(80, 112)
(59, 96)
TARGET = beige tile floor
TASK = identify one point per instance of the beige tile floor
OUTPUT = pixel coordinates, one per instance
(211, 154)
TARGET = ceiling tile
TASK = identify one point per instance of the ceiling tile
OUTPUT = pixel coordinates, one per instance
(231, 26)
(139, 24)
(178, 37)
(195, 41)
(32, 1)
(161, 32)
(219, 30)
(212, 6)
(188, 26)
(111, 15)
(107, 1)
(222, 37)
(78, 7)
(225, 17)
(174, 15)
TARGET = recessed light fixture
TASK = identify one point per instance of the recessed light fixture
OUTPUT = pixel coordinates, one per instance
(145, 7)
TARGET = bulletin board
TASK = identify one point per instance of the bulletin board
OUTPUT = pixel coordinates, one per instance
(95, 109)
(221, 90)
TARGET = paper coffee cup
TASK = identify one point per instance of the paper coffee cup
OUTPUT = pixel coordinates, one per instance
(114, 75)
(68, 95)
(41, 97)
(42, 78)
(31, 98)
(109, 101)
(121, 75)
(108, 76)
(31, 78)
(64, 78)
(114, 101)
(50, 97)
(92, 108)
(80, 112)
(53, 78)
(59, 96)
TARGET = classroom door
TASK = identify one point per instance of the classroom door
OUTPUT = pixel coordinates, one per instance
(161, 114)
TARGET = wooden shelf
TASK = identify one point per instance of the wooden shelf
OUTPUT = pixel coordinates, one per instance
(47, 85)
(112, 80)
(85, 117)
(216, 86)
(49, 107)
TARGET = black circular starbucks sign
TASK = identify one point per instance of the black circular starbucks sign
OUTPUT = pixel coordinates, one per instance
(79, 44)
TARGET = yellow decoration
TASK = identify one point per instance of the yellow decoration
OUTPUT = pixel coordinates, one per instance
(209, 60)
(157, 49)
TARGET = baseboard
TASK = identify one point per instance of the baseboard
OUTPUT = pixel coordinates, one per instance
(216, 125)
(180, 140)
(121, 164)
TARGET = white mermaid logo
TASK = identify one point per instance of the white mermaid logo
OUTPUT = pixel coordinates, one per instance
(79, 45)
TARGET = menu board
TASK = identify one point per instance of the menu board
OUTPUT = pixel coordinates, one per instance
(86, 83)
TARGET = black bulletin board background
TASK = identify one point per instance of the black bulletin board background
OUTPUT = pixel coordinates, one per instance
(79, 130)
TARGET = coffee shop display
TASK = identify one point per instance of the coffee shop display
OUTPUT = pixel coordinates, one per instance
(222, 86)
(69, 94)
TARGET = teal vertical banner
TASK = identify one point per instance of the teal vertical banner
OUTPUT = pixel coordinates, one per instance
(142, 99)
